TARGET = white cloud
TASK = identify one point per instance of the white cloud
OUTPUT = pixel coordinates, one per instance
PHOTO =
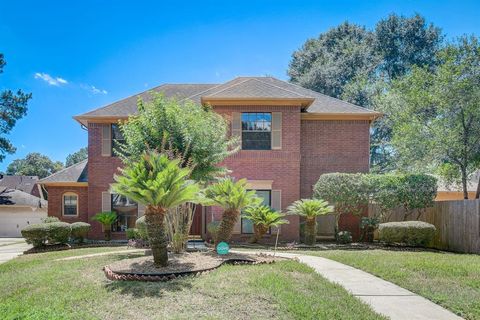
(93, 89)
(53, 81)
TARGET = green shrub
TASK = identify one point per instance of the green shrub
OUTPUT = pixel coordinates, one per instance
(212, 229)
(344, 237)
(42, 233)
(141, 227)
(80, 230)
(58, 232)
(50, 219)
(132, 233)
(35, 234)
(412, 233)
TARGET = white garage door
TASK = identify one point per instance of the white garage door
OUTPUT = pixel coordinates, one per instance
(14, 219)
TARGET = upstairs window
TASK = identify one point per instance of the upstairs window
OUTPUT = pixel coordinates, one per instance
(117, 138)
(256, 131)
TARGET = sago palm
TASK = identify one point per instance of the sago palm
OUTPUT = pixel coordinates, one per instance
(310, 209)
(263, 218)
(159, 184)
(232, 196)
(106, 219)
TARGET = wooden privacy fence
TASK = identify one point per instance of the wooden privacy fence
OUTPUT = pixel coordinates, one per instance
(457, 223)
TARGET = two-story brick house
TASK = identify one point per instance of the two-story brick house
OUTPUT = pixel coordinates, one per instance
(290, 136)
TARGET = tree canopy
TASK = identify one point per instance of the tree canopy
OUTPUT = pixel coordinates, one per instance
(193, 133)
(435, 115)
(356, 64)
(76, 157)
(34, 164)
(13, 106)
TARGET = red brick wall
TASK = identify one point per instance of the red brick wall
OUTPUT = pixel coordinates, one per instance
(100, 175)
(281, 166)
(55, 202)
(333, 146)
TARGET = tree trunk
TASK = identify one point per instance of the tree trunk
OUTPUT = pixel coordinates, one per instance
(464, 183)
(107, 232)
(155, 221)
(477, 194)
(310, 231)
(259, 231)
(225, 229)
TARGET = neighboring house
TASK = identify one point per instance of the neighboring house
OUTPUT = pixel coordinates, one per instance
(447, 192)
(19, 209)
(289, 135)
(26, 184)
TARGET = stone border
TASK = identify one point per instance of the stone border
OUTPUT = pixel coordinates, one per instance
(127, 276)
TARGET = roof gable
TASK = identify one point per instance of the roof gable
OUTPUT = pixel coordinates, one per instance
(76, 173)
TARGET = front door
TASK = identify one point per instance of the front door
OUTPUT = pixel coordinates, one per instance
(196, 229)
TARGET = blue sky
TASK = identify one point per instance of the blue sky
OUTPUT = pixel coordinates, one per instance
(75, 56)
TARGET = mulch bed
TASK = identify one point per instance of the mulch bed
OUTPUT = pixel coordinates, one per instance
(179, 265)
(324, 246)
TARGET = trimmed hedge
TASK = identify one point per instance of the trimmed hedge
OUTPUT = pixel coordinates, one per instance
(35, 234)
(412, 233)
(133, 234)
(52, 233)
(50, 219)
(58, 232)
(80, 230)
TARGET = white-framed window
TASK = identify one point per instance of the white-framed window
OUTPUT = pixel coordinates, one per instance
(70, 204)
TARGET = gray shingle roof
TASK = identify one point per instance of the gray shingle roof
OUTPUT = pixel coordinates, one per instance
(22, 183)
(11, 197)
(240, 87)
(128, 106)
(75, 173)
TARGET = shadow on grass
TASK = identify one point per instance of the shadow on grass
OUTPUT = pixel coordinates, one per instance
(141, 289)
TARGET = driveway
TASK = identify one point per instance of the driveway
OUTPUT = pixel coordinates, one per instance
(11, 248)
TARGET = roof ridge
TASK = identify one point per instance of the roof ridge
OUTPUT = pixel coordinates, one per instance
(196, 94)
(130, 96)
(233, 85)
(59, 171)
(273, 85)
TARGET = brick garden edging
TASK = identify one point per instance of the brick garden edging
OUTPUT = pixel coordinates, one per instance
(132, 276)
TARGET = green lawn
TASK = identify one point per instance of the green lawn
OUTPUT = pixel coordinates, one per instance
(38, 287)
(451, 280)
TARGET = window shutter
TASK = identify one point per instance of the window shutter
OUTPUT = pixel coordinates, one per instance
(106, 201)
(276, 204)
(107, 140)
(237, 125)
(141, 209)
(276, 130)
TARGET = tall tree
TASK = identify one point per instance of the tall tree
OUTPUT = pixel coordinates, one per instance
(435, 115)
(13, 106)
(34, 164)
(328, 63)
(356, 65)
(76, 157)
(404, 42)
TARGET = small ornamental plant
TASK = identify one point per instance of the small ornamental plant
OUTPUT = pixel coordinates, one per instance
(263, 218)
(310, 209)
(106, 219)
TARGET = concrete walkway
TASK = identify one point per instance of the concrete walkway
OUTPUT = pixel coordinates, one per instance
(383, 297)
(11, 248)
